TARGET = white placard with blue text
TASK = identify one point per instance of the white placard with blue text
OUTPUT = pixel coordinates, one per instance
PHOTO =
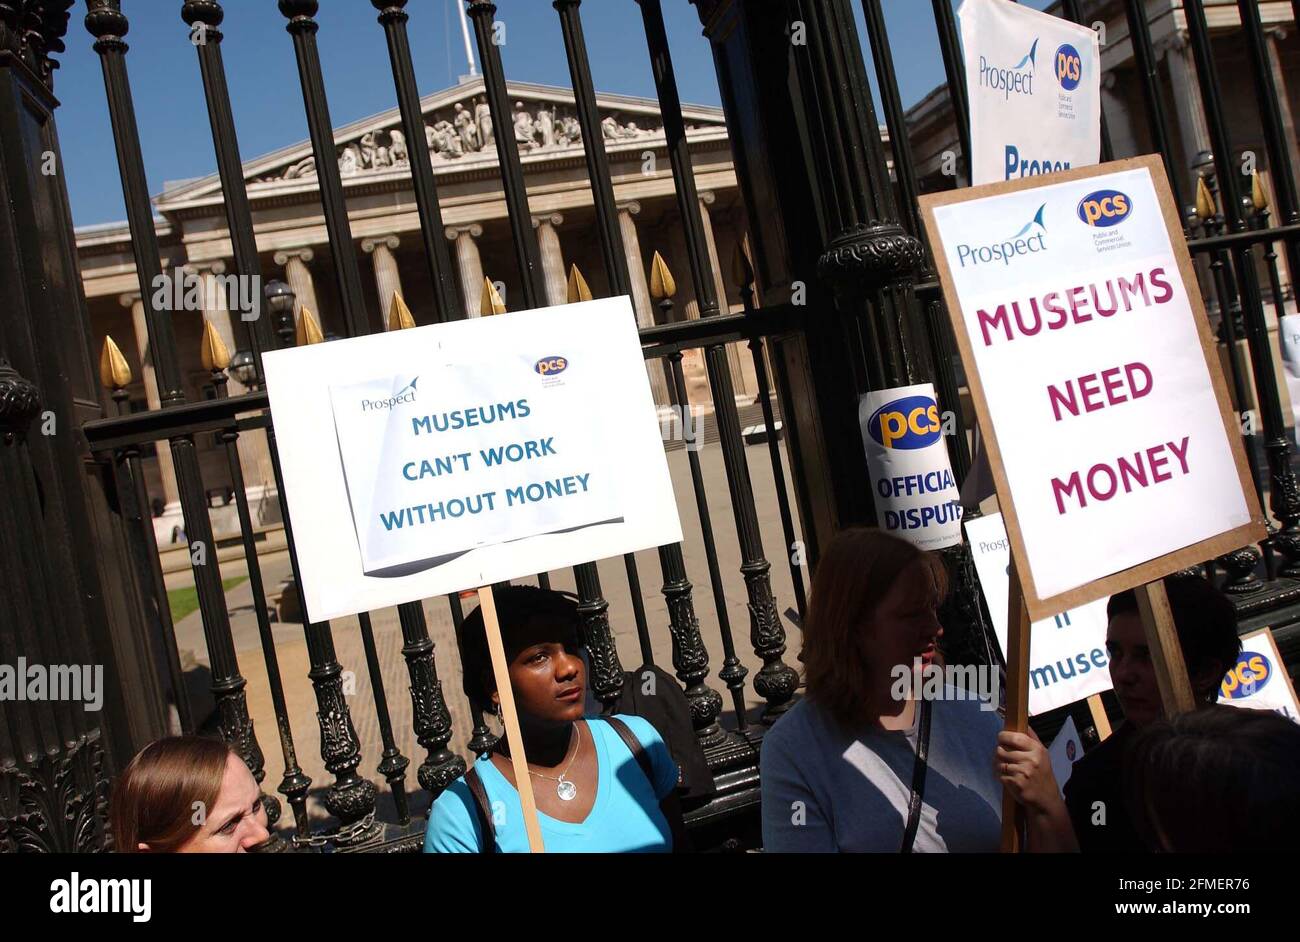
(912, 486)
(1093, 379)
(447, 457)
(1067, 652)
(1034, 82)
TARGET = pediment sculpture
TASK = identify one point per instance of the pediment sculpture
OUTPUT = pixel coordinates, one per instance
(464, 130)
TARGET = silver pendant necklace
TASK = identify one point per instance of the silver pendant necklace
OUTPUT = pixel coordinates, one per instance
(565, 789)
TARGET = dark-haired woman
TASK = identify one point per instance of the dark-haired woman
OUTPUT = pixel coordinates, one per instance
(188, 795)
(841, 772)
(602, 784)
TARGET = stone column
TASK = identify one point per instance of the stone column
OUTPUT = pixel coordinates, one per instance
(469, 265)
(171, 493)
(641, 302)
(387, 279)
(557, 290)
(1187, 100)
(742, 378)
(254, 457)
(1118, 116)
(298, 275)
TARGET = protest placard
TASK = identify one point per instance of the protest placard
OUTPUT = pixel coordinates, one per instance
(1034, 83)
(1259, 680)
(452, 456)
(1067, 652)
(1115, 454)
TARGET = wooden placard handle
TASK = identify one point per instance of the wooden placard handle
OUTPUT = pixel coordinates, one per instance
(1017, 718)
(1100, 721)
(518, 761)
(1166, 652)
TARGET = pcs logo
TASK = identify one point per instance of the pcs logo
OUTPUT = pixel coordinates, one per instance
(549, 366)
(1248, 676)
(1069, 67)
(910, 422)
(1104, 208)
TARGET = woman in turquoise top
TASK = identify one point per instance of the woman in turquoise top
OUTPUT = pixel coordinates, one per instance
(593, 795)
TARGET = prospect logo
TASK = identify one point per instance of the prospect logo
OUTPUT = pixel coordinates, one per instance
(1069, 67)
(405, 394)
(1022, 243)
(1017, 80)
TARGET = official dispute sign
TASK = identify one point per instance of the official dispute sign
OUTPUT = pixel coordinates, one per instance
(912, 485)
(1034, 82)
(1115, 454)
(452, 456)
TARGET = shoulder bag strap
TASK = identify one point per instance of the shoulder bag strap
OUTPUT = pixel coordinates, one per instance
(633, 744)
(918, 779)
(484, 810)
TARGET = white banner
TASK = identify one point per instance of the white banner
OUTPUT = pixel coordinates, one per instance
(1259, 680)
(1093, 373)
(447, 457)
(1034, 84)
(1065, 750)
(912, 485)
(1067, 652)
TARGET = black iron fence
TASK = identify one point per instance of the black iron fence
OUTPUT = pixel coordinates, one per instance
(873, 319)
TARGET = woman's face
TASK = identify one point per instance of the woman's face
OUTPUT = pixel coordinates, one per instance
(906, 624)
(1131, 671)
(237, 820)
(547, 675)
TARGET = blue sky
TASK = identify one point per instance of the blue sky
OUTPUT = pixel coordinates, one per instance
(267, 99)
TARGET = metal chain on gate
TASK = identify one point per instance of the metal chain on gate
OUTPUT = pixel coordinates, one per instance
(342, 836)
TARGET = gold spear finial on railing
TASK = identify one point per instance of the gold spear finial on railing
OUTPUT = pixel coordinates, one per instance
(578, 287)
(662, 284)
(490, 301)
(399, 315)
(114, 371)
(1258, 198)
(1204, 201)
(213, 353)
(308, 329)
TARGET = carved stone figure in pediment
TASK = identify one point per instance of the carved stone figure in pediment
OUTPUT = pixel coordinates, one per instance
(397, 147)
(303, 168)
(349, 160)
(524, 127)
(570, 131)
(483, 117)
(609, 128)
(467, 128)
(546, 127)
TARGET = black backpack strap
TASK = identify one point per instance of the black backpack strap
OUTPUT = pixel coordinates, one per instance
(484, 810)
(633, 745)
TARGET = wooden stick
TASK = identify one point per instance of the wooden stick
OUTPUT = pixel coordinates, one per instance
(1100, 721)
(1166, 652)
(518, 761)
(1017, 719)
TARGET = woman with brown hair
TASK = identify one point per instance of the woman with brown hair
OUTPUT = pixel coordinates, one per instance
(860, 764)
(188, 795)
